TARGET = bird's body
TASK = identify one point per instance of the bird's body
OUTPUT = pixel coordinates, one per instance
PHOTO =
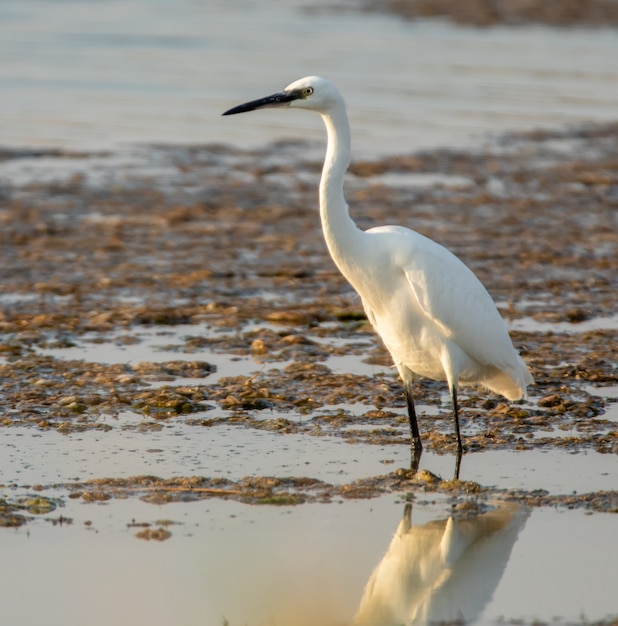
(426, 305)
(434, 316)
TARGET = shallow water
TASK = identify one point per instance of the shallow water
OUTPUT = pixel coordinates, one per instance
(234, 452)
(99, 74)
(304, 565)
(279, 565)
(285, 565)
(91, 75)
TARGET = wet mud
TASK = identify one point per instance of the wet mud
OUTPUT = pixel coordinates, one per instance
(568, 13)
(228, 243)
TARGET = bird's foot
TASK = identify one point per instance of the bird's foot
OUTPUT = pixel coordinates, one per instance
(415, 457)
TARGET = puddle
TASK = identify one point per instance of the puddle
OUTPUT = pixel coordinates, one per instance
(157, 346)
(233, 452)
(556, 471)
(229, 563)
(180, 450)
(530, 324)
(421, 180)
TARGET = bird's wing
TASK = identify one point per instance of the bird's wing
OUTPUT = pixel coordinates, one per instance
(453, 298)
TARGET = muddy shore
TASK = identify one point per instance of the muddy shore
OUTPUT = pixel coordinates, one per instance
(94, 246)
(483, 13)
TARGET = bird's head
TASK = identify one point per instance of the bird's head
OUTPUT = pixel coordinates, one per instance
(312, 92)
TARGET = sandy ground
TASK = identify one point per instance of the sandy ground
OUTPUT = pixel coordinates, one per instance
(213, 235)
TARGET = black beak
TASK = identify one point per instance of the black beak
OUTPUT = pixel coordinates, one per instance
(276, 99)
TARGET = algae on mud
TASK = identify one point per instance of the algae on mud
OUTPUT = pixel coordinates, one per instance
(85, 264)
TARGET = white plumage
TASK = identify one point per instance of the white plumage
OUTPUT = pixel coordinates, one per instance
(434, 316)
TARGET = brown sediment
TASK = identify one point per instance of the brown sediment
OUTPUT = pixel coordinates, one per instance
(566, 13)
(271, 490)
(231, 240)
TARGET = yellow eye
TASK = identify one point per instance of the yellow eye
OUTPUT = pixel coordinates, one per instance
(307, 91)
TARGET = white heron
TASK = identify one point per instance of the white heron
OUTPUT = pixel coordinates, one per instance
(433, 314)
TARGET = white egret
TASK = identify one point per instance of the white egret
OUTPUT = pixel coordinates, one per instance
(433, 314)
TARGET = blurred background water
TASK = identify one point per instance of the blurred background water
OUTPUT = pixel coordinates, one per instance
(94, 74)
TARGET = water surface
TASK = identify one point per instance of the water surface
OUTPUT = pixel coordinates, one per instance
(96, 74)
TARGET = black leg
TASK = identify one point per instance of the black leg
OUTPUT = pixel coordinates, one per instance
(416, 437)
(456, 416)
(457, 464)
(457, 432)
(415, 459)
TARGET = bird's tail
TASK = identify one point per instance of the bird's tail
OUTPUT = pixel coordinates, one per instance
(511, 383)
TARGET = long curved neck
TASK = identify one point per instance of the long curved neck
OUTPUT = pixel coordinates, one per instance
(343, 237)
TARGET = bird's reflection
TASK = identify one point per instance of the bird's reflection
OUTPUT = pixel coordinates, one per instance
(441, 571)
(457, 464)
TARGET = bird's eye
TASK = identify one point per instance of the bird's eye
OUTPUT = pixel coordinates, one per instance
(307, 91)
